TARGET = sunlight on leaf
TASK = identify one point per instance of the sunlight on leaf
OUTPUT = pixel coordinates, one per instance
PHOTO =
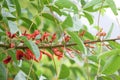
(64, 72)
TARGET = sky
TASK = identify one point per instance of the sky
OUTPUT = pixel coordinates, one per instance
(107, 20)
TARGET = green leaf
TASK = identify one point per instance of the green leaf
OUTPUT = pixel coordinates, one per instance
(13, 55)
(2, 32)
(76, 24)
(109, 53)
(47, 1)
(7, 14)
(64, 72)
(40, 6)
(66, 4)
(89, 17)
(83, 2)
(89, 35)
(32, 46)
(104, 78)
(112, 64)
(13, 27)
(3, 74)
(18, 8)
(112, 6)
(67, 22)
(91, 3)
(114, 44)
(57, 10)
(50, 17)
(80, 45)
(30, 24)
(110, 31)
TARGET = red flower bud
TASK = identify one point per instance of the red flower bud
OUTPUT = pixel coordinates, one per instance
(12, 45)
(48, 54)
(19, 54)
(45, 36)
(67, 38)
(7, 60)
(10, 35)
(53, 37)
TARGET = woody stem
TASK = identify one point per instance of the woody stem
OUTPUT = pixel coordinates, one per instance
(61, 45)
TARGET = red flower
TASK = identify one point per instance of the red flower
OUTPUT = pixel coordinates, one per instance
(36, 32)
(19, 54)
(53, 37)
(82, 33)
(29, 55)
(10, 35)
(37, 41)
(67, 38)
(7, 60)
(46, 53)
(12, 45)
(58, 53)
(45, 36)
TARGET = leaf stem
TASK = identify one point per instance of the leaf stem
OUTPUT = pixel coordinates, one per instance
(30, 70)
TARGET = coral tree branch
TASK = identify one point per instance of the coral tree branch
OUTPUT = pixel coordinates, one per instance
(60, 45)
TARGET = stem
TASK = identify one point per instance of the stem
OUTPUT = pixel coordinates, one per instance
(30, 70)
(100, 13)
(99, 65)
(55, 65)
(60, 45)
(87, 64)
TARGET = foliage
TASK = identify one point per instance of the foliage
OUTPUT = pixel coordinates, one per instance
(45, 39)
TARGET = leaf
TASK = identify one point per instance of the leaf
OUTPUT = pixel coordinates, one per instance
(57, 10)
(91, 3)
(112, 6)
(32, 46)
(93, 58)
(89, 17)
(67, 22)
(6, 14)
(110, 31)
(30, 24)
(47, 1)
(77, 24)
(42, 77)
(80, 46)
(20, 76)
(66, 4)
(112, 64)
(3, 74)
(83, 2)
(50, 17)
(2, 32)
(114, 44)
(89, 35)
(40, 5)
(18, 8)
(12, 26)
(109, 53)
(64, 72)
(13, 55)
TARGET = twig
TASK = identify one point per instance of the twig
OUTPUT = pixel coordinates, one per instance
(60, 45)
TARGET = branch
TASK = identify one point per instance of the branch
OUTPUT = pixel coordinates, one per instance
(106, 40)
(60, 45)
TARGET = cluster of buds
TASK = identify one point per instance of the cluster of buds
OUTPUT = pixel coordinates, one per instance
(27, 54)
(89, 45)
(101, 33)
(81, 34)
